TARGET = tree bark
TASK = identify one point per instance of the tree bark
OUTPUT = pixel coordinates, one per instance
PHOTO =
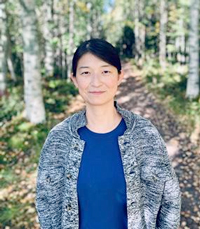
(192, 90)
(180, 43)
(88, 20)
(71, 37)
(9, 57)
(3, 47)
(96, 20)
(48, 37)
(63, 41)
(163, 28)
(34, 106)
(139, 31)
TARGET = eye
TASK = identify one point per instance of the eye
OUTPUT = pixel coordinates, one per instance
(106, 72)
(85, 73)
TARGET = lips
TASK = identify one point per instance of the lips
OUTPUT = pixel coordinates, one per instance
(96, 91)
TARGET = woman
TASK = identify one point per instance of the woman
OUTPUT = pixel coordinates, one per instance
(105, 167)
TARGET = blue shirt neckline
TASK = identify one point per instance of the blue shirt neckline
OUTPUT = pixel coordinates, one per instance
(111, 133)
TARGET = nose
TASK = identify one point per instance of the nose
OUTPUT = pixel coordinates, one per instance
(95, 80)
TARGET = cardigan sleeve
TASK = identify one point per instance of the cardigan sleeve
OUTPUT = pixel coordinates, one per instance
(48, 184)
(169, 212)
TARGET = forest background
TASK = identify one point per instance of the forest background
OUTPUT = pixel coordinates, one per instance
(37, 42)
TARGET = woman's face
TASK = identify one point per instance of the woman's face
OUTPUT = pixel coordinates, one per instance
(96, 80)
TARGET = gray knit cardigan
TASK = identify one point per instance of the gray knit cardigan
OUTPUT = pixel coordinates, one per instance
(152, 187)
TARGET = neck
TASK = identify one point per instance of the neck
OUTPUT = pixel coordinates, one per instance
(103, 118)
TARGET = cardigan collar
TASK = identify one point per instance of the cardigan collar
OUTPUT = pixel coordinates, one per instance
(79, 120)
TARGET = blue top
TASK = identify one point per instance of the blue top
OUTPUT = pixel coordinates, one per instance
(101, 185)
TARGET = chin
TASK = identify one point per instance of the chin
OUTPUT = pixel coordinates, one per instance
(97, 102)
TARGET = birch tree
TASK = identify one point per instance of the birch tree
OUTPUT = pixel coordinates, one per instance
(88, 20)
(180, 43)
(3, 47)
(34, 106)
(163, 27)
(71, 36)
(48, 36)
(96, 18)
(114, 22)
(139, 31)
(192, 90)
(9, 57)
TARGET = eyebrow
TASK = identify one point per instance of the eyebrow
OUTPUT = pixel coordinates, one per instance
(83, 67)
(107, 65)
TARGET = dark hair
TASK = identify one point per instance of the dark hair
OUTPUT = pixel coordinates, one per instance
(100, 48)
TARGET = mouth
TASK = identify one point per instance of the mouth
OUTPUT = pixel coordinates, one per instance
(97, 92)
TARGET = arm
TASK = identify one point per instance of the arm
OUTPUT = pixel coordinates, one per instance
(49, 185)
(169, 212)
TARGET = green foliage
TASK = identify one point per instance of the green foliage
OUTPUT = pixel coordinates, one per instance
(9, 213)
(57, 95)
(11, 105)
(21, 144)
(7, 177)
(23, 127)
(170, 86)
(15, 213)
(17, 141)
(22, 136)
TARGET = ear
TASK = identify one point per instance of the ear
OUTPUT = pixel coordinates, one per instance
(120, 77)
(73, 79)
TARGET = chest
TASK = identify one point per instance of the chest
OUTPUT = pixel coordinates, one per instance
(143, 177)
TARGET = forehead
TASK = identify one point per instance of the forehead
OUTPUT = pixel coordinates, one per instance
(89, 59)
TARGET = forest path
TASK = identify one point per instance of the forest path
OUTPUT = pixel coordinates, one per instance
(133, 95)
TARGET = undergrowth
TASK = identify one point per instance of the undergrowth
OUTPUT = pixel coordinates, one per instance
(20, 146)
(169, 85)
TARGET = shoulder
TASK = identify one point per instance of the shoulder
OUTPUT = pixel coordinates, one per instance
(62, 130)
(66, 123)
(152, 148)
(145, 127)
(140, 126)
(148, 137)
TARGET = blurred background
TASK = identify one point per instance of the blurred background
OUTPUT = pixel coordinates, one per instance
(158, 42)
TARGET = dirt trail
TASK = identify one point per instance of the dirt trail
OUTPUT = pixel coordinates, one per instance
(134, 96)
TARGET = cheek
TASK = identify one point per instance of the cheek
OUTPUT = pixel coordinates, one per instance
(112, 83)
(82, 83)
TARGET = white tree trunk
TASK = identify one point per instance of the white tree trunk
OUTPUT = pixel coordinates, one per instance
(62, 26)
(71, 37)
(88, 21)
(139, 31)
(9, 58)
(192, 90)
(11, 68)
(180, 43)
(3, 47)
(34, 105)
(96, 21)
(48, 36)
(56, 35)
(163, 27)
